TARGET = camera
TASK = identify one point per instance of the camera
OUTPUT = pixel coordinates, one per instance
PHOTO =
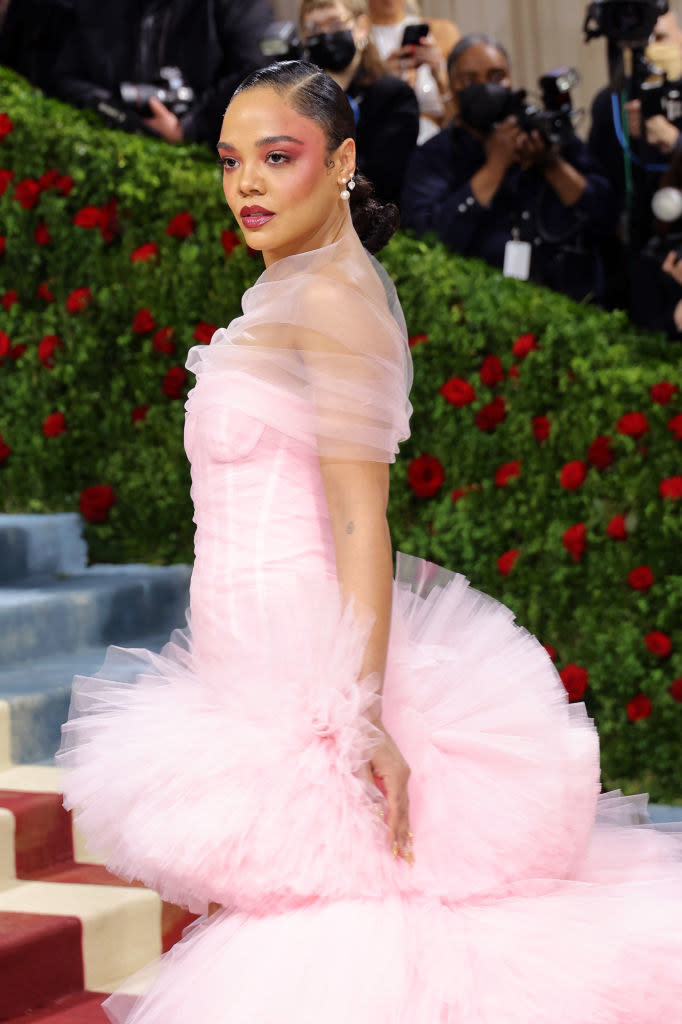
(170, 90)
(628, 22)
(485, 105)
(281, 42)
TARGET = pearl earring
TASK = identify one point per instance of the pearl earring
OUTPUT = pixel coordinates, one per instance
(349, 187)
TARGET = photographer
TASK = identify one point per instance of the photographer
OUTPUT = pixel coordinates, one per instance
(385, 107)
(213, 44)
(486, 181)
(656, 291)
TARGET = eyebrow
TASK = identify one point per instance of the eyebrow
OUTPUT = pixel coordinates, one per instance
(268, 141)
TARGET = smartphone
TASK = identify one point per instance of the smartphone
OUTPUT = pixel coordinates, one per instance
(413, 33)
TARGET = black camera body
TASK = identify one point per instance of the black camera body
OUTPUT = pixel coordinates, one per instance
(484, 106)
(169, 90)
(628, 22)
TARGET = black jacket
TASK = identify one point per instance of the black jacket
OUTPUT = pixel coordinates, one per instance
(437, 197)
(387, 129)
(213, 42)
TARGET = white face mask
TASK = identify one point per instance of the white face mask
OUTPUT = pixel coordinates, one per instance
(667, 57)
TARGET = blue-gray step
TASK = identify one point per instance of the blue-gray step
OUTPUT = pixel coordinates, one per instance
(35, 545)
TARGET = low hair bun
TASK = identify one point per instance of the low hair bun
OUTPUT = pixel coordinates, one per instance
(374, 221)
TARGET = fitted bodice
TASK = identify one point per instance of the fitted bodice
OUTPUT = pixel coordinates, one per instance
(259, 505)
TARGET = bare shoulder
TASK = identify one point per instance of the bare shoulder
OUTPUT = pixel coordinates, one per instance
(445, 33)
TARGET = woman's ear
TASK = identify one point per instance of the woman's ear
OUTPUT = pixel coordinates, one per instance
(347, 157)
(361, 29)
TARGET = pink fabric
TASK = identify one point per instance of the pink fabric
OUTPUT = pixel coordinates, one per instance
(227, 767)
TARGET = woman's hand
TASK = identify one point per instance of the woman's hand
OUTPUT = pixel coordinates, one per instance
(391, 772)
(672, 265)
(401, 61)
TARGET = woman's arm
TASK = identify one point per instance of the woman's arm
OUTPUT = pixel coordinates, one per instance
(357, 495)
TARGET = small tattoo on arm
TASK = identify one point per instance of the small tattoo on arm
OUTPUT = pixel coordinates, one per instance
(350, 527)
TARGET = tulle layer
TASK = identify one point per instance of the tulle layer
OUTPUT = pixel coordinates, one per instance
(241, 782)
(580, 955)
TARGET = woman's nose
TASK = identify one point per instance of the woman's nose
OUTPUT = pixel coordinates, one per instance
(250, 181)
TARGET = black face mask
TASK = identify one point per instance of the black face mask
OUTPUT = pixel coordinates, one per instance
(331, 51)
(485, 104)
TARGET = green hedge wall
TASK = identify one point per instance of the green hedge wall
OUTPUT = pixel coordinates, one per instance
(545, 461)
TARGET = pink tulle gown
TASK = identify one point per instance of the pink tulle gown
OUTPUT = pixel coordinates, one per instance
(227, 768)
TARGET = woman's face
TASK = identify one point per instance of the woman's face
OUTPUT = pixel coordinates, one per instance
(334, 17)
(280, 182)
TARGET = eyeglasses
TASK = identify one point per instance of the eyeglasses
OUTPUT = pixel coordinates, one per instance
(334, 24)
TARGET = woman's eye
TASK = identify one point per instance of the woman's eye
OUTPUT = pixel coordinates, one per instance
(227, 162)
(277, 158)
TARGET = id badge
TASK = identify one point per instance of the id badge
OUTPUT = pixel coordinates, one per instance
(517, 259)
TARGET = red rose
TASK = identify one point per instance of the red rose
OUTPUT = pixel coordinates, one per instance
(632, 424)
(27, 193)
(641, 578)
(48, 179)
(425, 475)
(541, 427)
(507, 472)
(4, 450)
(181, 225)
(9, 299)
(459, 492)
(64, 184)
(143, 322)
(524, 344)
(41, 235)
(88, 217)
(5, 178)
(617, 529)
(416, 339)
(491, 371)
(575, 541)
(671, 487)
(5, 345)
(599, 453)
(146, 252)
(3, 245)
(675, 690)
(552, 651)
(139, 414)
(203, 332)
(43, 292)
(229, 241)
(95, 502)
(79, 300)
(639, 707)
(505, 563)
(17, 351)
(163, 340)
(108, 225)
(490, 416)
(457, 392)
(174, 381)
(658, 643)
(514, 371)
(54, 424)
(663, 392)
(573, 475)
(46, 350)
(6, 125)
(575, 679)
(675, 426)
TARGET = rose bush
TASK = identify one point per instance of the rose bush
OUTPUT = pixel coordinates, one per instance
(91, 412)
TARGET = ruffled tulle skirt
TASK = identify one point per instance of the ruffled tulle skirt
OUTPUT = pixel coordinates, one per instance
(240, 780)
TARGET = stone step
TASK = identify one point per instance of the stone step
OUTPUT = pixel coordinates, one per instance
(42, 615)
(35, 694)
(81, 1008)
(34, 545)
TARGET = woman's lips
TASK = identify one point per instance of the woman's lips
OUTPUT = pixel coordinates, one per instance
(255, 216)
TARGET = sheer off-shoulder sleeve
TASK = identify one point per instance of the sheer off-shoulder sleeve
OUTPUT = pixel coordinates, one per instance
(325, 326)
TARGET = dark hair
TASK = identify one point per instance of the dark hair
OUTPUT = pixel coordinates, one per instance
(314, 94)
(473, 39)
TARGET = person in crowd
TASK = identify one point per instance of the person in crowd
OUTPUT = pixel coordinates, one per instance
(212, 43)
(31, 33)
(385, 107)
(480, 188)
(421, 63)
(656, 290)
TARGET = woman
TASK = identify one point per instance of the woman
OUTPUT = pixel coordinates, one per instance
(262, 761)
(385, 108)
(422, 64)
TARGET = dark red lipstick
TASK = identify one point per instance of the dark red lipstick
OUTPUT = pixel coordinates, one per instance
(255, 216)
